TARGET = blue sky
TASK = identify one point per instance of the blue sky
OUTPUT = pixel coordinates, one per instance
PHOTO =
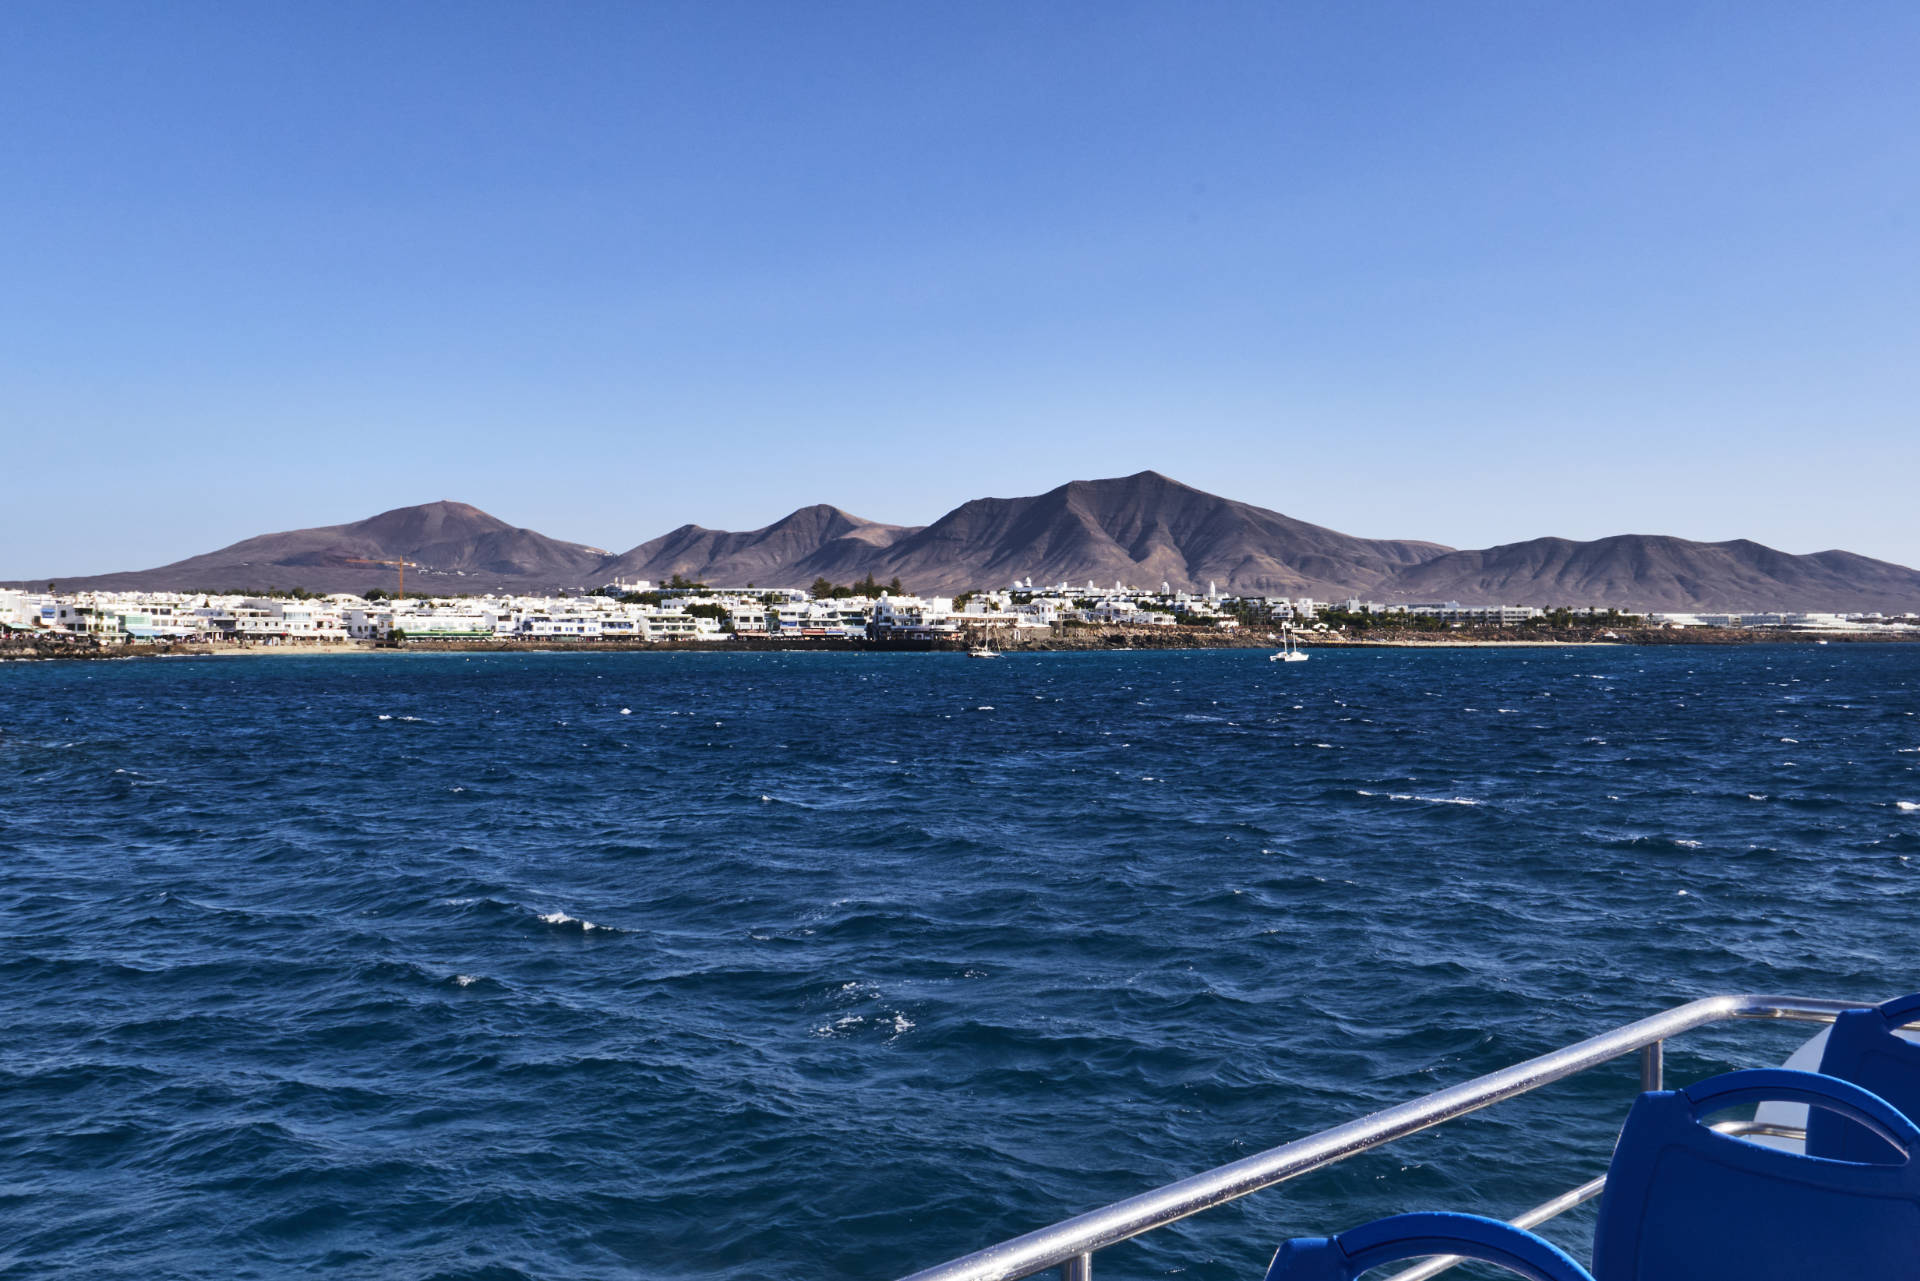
(1467, 272)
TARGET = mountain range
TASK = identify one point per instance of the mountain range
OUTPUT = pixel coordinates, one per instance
(1141, 530)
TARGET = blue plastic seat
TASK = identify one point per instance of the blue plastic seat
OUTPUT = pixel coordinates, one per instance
(1686, 1203)
(1864, 1047)
(1415, 1236)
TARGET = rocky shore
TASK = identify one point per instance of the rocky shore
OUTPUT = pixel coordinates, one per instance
(1057, 640)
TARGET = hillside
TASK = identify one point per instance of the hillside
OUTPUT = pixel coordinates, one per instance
(1654, 572)
(791, 552)
(450, 547)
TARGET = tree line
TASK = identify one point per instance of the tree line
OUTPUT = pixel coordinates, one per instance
(823, 589)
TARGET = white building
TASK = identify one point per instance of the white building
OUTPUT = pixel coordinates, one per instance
(421, 620)
(914, 615)
(26, 611)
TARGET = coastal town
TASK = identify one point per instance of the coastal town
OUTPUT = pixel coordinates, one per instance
(681, 612)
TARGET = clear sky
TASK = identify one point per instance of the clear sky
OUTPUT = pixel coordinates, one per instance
(1473, 272)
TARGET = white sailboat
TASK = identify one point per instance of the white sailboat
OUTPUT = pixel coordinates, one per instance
(1288, 652)
(984, 648)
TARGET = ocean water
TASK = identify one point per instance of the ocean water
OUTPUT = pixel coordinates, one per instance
(836, 966)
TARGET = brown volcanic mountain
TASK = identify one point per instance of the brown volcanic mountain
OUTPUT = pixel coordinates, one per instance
(1143, 530)
(1651, 572)
(792, 552)
(450, 548)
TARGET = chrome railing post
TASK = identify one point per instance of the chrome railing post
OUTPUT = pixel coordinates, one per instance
(1078, 1268)
(1653, 1066)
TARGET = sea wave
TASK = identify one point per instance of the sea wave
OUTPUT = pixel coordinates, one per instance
(829, 981)
(1431, 800)
(566, 922)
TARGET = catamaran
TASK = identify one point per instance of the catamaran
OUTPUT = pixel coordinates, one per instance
(1288, 651)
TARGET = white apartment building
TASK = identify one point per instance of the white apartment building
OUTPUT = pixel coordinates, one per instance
(302, 620)
(559, 625)
(26, 611)
(419, 621)
(1116, 611)
(846, 616)
(913, 614)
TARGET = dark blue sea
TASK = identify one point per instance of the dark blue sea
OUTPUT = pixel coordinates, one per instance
(836, 966)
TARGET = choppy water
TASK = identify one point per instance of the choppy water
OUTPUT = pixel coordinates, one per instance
(687, 965)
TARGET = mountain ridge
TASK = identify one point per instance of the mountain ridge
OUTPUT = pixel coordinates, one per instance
(1141, 530)
(811, 542)
(1663, 572)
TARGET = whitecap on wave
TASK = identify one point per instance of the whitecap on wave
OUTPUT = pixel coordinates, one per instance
(1430, 800)
(894, 1025)
(556, 918)
(564, 921)
(840, 1026)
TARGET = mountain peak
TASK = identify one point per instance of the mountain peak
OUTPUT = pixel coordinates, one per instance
(1139, 482)
(440, 508)
(820, 540)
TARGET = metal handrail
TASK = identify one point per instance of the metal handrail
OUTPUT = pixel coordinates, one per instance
(1071, 1243)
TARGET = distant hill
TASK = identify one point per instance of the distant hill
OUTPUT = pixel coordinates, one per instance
(452, 547)
(1653, 572)
(814, 542)
(1142, 530)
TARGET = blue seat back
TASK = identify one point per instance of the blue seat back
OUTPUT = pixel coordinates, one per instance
(1864, 1048)
(1415, 1236)
(1686, 1203)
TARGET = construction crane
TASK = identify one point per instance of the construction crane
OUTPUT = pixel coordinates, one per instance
(400, 591)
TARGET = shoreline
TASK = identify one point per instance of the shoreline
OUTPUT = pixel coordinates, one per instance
(1107, 639)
